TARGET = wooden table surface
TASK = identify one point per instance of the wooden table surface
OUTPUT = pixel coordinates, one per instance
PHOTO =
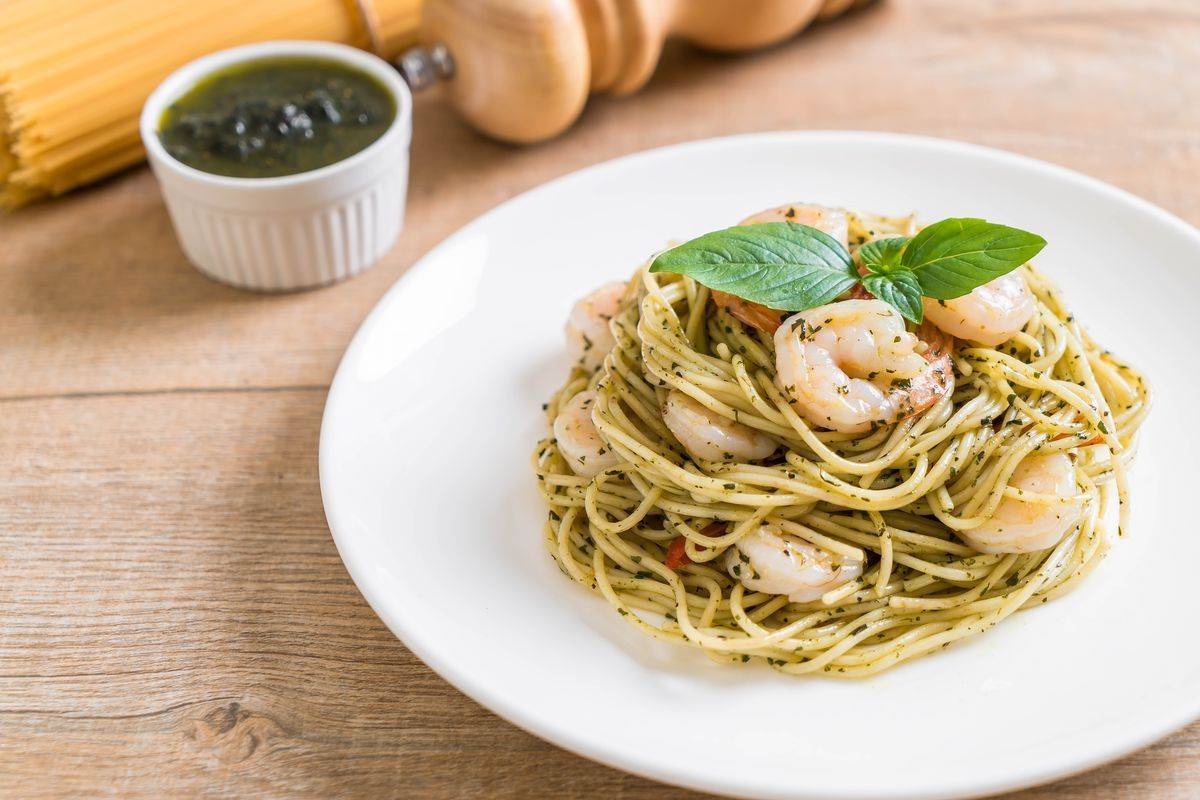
(174, 619)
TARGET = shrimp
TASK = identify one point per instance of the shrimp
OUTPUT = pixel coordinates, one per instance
(1027, 524)
(589, 338)
(707, 435)
(851, 365)
(990, 314)
(768, 560)
(833, 221)
(578, 440)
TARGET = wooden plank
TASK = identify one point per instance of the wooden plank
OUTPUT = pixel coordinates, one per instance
(176, 621)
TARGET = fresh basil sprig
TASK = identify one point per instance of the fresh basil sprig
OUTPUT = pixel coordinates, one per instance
(791, 267)
(883, 255)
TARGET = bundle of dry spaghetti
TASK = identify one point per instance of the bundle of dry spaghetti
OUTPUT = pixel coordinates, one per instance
(74, 73)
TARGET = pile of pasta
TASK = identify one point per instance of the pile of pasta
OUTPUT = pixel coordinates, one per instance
(893, 498)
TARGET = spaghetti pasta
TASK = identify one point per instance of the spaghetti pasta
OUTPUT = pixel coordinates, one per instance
(664, 535)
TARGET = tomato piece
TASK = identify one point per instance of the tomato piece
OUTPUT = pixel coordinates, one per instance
(676, 554)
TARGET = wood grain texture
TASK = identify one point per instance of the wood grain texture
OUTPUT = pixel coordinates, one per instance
(174, 619)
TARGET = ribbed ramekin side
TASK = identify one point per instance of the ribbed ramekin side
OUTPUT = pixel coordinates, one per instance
(274, 251)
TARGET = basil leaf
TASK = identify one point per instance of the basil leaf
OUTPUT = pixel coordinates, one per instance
(899, 289)
(882, 255)
(782, 265)
(952, 257)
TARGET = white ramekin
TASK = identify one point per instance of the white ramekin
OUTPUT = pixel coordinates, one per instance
(294, 231)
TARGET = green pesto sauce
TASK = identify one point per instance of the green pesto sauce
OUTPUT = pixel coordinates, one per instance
(276, 116)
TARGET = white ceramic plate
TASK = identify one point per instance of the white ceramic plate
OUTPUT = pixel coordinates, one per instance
(436, 407)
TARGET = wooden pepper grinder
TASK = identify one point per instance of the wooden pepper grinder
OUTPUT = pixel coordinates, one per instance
(521, 70)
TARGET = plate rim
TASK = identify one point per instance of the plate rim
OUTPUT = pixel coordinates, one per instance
(374, 592)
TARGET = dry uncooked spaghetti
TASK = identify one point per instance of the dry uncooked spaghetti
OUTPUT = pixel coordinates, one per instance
(657, 530)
